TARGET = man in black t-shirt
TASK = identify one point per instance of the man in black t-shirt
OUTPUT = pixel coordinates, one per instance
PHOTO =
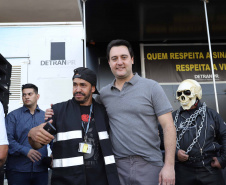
(94, 162)
(82, 153)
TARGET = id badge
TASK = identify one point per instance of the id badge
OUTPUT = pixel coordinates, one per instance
(85, 148)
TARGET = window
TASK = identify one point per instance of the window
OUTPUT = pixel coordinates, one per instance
(58, 51)
(18, 77)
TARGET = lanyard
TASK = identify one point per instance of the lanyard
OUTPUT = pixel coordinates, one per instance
(87, 127)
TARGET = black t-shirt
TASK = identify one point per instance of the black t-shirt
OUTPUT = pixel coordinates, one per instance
(94, 162)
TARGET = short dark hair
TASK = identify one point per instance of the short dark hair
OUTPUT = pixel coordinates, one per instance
(32, 86)
(119, 42)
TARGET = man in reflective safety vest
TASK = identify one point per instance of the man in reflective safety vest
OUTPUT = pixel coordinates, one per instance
(82, 153)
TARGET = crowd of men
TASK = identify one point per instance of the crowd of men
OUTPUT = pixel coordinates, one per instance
(115, 138)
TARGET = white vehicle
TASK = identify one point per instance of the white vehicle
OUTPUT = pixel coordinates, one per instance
(44, 54)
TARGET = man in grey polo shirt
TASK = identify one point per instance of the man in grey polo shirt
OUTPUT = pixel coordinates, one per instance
(135, 105)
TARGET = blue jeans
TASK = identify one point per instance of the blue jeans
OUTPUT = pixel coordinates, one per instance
(27, 178)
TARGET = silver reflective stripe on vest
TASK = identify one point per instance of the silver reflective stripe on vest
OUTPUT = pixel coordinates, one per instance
(109, 159)
(66, 162)
(103, 135)
(62, 136)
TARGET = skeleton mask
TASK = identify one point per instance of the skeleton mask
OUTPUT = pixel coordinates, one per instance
(187, 93)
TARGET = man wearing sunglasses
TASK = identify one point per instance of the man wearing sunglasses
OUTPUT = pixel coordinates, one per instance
(201, 139)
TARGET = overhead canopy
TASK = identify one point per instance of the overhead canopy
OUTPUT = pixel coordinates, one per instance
(39, 11)
(155, 20)
(152, 21)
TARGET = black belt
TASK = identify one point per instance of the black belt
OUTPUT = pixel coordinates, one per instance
(193, 159)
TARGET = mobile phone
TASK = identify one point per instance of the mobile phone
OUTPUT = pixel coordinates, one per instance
(50, 128)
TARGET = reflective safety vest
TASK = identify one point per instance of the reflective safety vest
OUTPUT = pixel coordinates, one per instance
(68, 163)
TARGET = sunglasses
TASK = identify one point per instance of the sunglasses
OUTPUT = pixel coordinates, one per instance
(186, 92)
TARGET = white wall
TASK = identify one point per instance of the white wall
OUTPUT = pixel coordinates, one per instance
(33, 45)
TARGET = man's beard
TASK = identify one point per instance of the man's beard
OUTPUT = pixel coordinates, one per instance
(86, 97)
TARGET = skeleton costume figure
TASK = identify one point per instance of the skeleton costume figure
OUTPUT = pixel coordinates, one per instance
(201, 139)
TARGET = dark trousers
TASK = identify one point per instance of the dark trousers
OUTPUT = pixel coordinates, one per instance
(1, 178)
(27, 178)
(198, 175)
(2, 175)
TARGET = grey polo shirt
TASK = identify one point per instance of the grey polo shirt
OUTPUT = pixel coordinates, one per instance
(133, 114)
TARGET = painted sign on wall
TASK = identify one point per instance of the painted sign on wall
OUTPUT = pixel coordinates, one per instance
(175, 63)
